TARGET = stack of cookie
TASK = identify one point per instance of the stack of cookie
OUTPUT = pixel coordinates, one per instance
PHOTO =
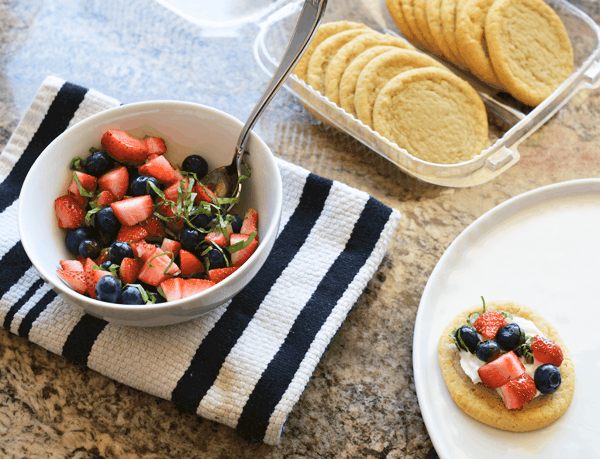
(520, 46)
(405, 95)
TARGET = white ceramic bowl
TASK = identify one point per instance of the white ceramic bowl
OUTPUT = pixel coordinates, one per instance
(187, 128)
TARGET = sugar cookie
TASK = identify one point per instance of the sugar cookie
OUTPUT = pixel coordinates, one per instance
(448, 20)
(323, 54)
(433, 114)
(409, 17)
(323, 32)
(347, 53)
(378, 72)
(422, 23)
(434, 19)
(484, 404)
(352, 72)
(470, 39)
(395, 9)
(529, 48)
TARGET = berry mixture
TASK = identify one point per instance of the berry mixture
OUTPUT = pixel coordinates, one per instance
(144, 231)
(504, 350)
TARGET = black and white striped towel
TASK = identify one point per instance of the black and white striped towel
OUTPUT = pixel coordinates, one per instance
(246, 363)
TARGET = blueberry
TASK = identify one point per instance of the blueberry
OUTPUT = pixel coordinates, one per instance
(196, 164)
(106, 265)
(74, 238)
(469, 338)
(236, 225)
(97, 163)
(131, 295)
(107, 221)
(202, 220)
(216, 259)
(108, 289)
(547, 378)
(105, 239)
(509, 337)
(119, 250)
(139, 187)
(132, 173)
(89, 248)
(190, 238)
(158, 298)
(488, 350)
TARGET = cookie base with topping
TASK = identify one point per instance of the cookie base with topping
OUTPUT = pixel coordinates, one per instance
(484, 404)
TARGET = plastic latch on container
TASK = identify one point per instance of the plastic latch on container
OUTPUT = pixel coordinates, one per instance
(593, 74)
(499, 158)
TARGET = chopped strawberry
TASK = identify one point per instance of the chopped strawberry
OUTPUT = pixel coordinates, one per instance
(217, 275)
(239, 257)
(194, 286)
(217, 237)
(116, 181)
(82, 200)
(189, 263)
(152, 156)
(161, 170)
(518, 391)
(71, 265)
(131, 233)
(134, 210)
(129, 270)
(498, 372)
(155, 269)
(169, 245)
(102, 257)
(250, 223)
(87, 182)
(488, 323)
(68, 211)
(152, 226)
(88, 266)
(105, 198)
(172, 191)
(143, 250)
(545, 351)
(93, 273)
(168, 212)
(172, 288)
(203, 194)
(123, 147)
(74, 279)
(155, 146)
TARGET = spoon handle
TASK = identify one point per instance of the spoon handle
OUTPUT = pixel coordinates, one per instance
(305, 29)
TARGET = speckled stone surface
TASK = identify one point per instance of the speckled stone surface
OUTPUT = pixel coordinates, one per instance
(361, 401)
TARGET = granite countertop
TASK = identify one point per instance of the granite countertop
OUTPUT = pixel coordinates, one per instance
(361, 400)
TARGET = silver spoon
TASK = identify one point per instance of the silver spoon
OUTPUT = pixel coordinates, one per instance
(224, 180)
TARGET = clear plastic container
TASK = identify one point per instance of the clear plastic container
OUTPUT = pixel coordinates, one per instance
(510, 122)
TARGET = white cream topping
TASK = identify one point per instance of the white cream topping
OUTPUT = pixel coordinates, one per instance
(526, 325)
(470, 363)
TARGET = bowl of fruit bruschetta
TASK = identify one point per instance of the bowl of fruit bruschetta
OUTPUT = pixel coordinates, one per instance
(115, 217)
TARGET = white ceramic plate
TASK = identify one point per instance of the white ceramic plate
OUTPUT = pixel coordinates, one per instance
(542, 249)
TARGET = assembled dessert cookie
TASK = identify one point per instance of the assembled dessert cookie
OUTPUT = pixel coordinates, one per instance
(506, 366)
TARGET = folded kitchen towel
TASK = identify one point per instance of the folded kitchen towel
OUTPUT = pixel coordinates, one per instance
(244, 364)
